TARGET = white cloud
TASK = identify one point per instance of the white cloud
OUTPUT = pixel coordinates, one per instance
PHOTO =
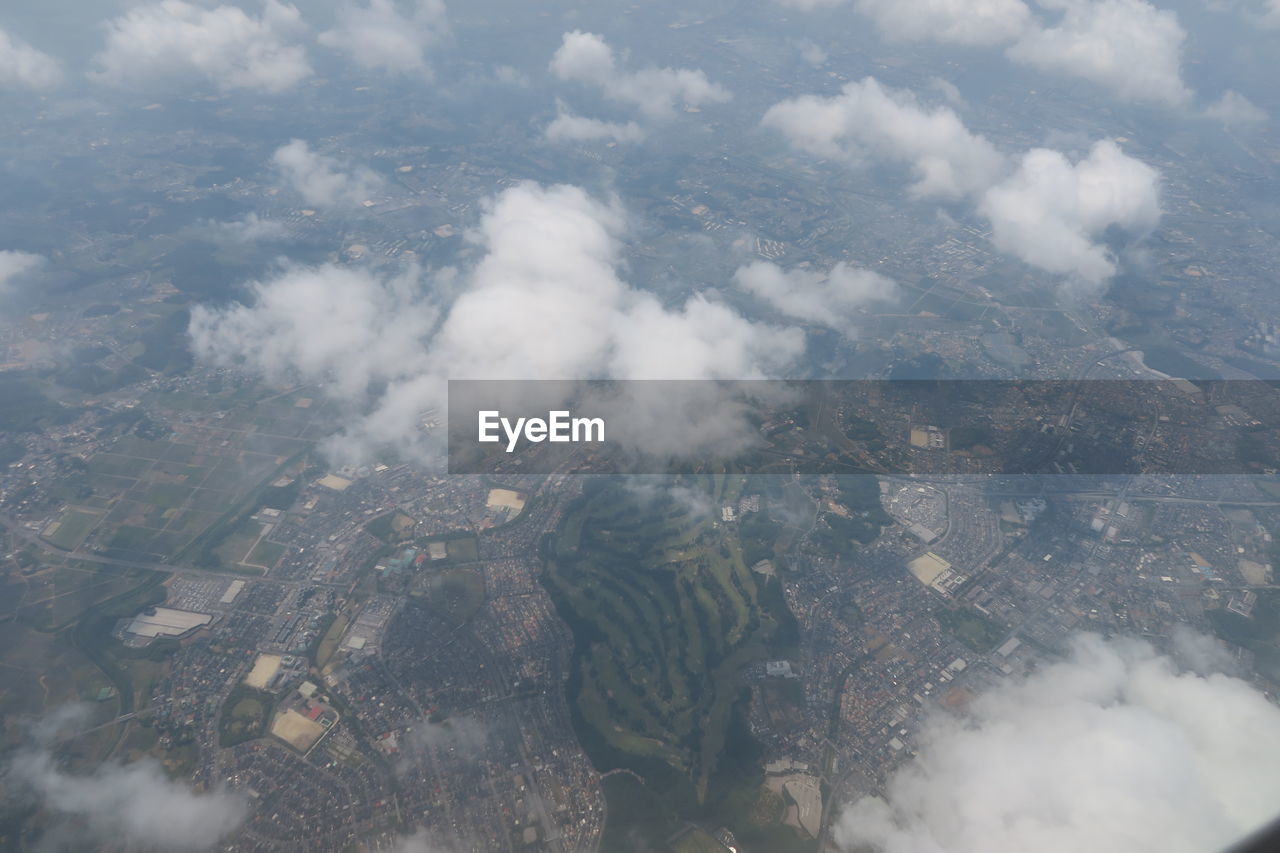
(1271, 14)
(250, 228)
(1234, 109)
(967, 22)
(465, 734)
(1113, 750)
(1050, 212)
(586, 58)
(382, 37)
(700, 340)
(160, 44)
(321, 180)
(829, 299)
(1043, 209)
(869, 120)
(340, 327)
(546, 301)
(14, 266)
(135, 806)
(811, 4)
(813, 54)
(1128, 46)
(949, 91)
(24, 67)
(570, 127)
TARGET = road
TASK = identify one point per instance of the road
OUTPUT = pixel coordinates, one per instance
(187, 571)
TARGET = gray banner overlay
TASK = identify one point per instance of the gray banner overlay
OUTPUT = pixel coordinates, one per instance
(923, 427)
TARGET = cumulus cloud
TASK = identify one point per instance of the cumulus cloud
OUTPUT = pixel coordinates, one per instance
(1271, 14)
(341, 327)
(16, 266)
(1114, 749)
(700, 340)
(250, 228)
(967, 22)
(813, 54)
(382, 37)
(158, 44)
(133, 805)
(1234, 110)
(322, 180)
(1051, 212)
(546, 301)
(24, 67)
(457, 734)
(1129, 46)
(868, 120)
(1043, 209)
(569, 127)
(587, 58)
(949, 91)
(655, 490)
(828, 299)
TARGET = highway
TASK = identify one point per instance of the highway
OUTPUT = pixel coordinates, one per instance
(187, 571)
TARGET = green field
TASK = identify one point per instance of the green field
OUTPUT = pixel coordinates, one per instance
(454, 594)
(665, 613)
(698, 841)
(244, 716)
(459, 548)
(73, 526)
(391, 527)
(57, 596)
(975, 630)
(178, 497)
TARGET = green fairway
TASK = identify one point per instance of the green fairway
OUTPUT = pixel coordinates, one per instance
(665, 613)
(978, 632)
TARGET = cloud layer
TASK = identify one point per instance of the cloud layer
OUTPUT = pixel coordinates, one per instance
(969, 22)
(155, 45)
(1113, 750)
(570, 127)
(24, 67)
(324, 181)
(1052, 213)
(1235, 110)
(14, 266)
(382, 37)
(1043, 209)
(546, 301)
(341, 327)
(868, 120)
(828, 299)
(1128, 47)
(588, 59)
(135, 806)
